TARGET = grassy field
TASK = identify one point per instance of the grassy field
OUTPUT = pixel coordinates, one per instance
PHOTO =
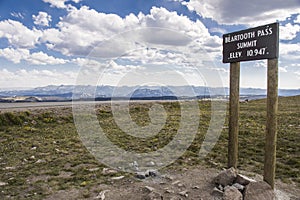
(41, 153)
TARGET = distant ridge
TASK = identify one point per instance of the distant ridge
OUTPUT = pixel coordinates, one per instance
(106, 92)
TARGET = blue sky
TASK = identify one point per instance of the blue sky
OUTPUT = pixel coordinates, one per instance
(138, 42)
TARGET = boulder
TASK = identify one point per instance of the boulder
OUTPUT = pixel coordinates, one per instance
(226, 177)
(259, 191)
(232, 193)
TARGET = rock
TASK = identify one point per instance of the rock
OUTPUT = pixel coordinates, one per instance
(149, 189)
(107, 171)
(220, 187)
(232, 193)
(10, 168)
(180, 185)
(3, 183)
(101, 195)
(217, 193)
(93, 169)
(151, 164)
(117, 178)
(40, 161)
(259, 191)
(151, 172)
(184, 193)
(33, 148)
(226, 177)
(154, 196)
(140, 175)
(176, 182)
(169, 191)
(196, 187)
(243, 180)
(135, 164)
(239, 187)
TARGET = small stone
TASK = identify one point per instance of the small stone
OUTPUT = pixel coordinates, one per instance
(108, 171)
(175, 182)
(3, 183)
(226, 177)
(140, 175)
(135, 164)
(93, 169)
(180, 185)
(184, 193)
(220, 187)
(239, 186)
(170, 191)
(40, 161)
(101, 195)
(117, 178)
(149, 189)
(232, 193)
(151, 164)
(151, 172)
(196, 187)
(217, 193)
(10, 168)
(259, 191)
(243, 180)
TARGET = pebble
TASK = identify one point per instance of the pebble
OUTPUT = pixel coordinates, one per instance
(140, 175)
(239, 186)
(101, 195)
(107, 171)
(3, 183)
(40, 161)
(117, 178)
(93, 169)
(184, 193)
(149, 189)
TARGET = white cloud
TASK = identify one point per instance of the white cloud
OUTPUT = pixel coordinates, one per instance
(19, 35)
(283, 69)
(297, 20)
(17, 15)
(289, 31)
(59, 3)
(37, 58)
(290, 51)
(77, 34)
(244, 12)
(42, 19)
(35, 78)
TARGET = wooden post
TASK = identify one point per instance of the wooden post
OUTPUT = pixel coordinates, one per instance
(271, 126)
(234, 114)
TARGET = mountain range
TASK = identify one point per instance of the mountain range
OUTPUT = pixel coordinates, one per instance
(103, 92)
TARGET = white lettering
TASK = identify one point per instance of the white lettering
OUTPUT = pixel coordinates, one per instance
(247, 44)
(233, 55)
(240, 37)
(265, 32)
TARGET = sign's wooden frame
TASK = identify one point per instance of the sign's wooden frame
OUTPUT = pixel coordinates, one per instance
(272, 106)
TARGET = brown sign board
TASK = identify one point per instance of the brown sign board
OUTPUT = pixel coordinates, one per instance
(251, 44)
